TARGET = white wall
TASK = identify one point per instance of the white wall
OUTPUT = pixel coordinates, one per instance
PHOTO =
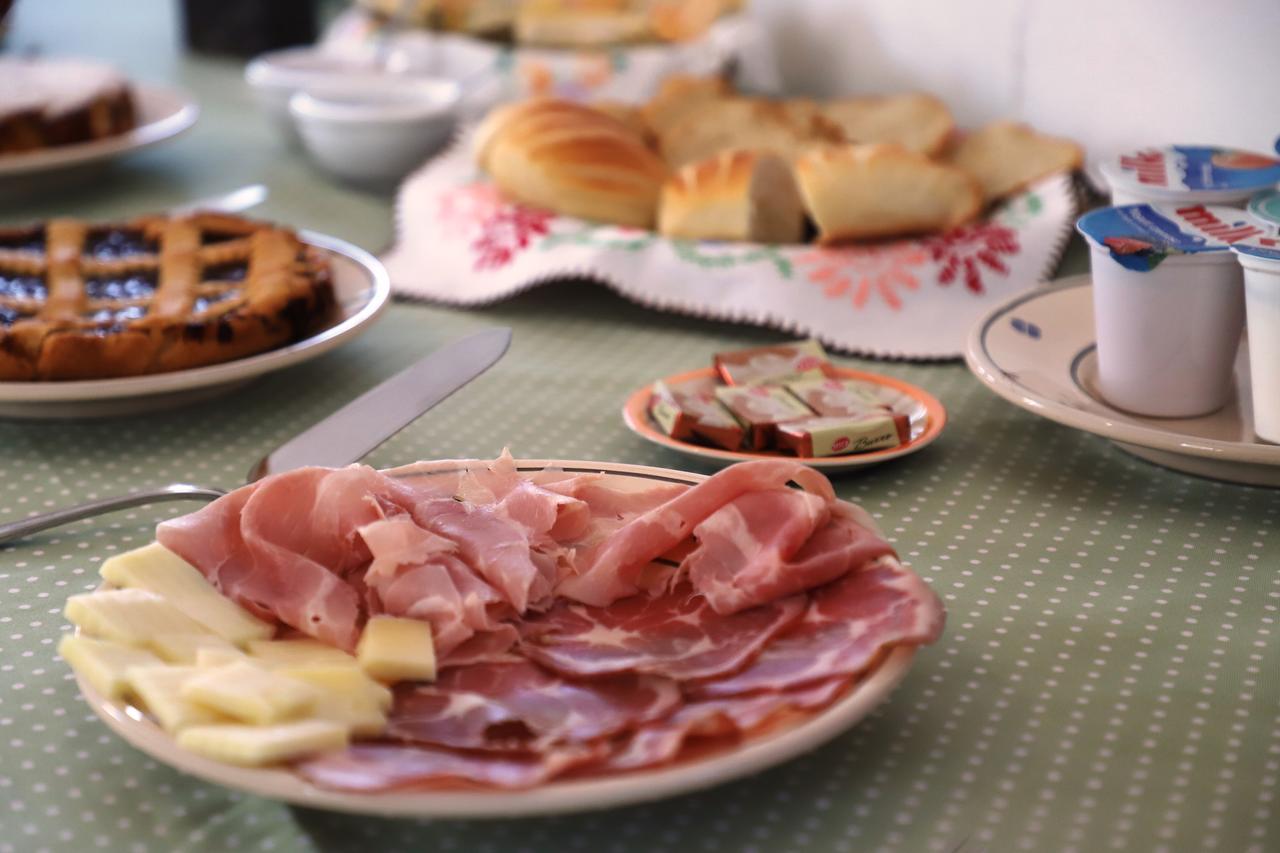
(1111, 73)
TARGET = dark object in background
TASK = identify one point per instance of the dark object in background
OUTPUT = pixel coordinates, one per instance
(247, 27)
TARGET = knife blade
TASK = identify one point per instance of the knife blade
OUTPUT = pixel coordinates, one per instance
(362, 425)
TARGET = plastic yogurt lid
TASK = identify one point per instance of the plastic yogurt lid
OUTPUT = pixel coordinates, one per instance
(1265, 247)
(1265, 207)
(1140, 236)
(1179, 169)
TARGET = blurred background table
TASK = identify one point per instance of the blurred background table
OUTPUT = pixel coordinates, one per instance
(1106, 681)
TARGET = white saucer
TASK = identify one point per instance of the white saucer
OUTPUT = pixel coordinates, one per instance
(361, 290)
(703, 770)
(1037, 351)
(163, 113)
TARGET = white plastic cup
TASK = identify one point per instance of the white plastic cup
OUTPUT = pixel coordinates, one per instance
(1262, 302)
(1167, 334)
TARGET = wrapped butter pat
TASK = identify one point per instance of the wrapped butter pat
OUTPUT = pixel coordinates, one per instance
(761, 408)
(831, 397)
(691, 410)
(843, 435)
(775, 364)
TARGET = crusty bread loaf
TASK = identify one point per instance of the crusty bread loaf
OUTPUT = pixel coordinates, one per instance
(786, 128)
(573, 160)
(1006, 157)
(679, 96)
(556, 23)
(916, 121)
(683, 20)
(735, 195)
(865, 191)
(629, 114)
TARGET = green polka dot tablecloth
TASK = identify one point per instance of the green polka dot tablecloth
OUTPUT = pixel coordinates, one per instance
(1107, 680)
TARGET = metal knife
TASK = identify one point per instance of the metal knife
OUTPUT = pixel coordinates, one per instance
(344, 437)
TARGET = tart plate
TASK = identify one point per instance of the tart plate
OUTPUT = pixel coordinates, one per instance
(569, 795)
(361, 290)
(1037, 351)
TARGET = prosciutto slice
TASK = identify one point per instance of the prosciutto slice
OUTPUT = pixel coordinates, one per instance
(768, 544)
(521, 706)
(847, 625)
(373, 767)
(675, 634)
(660, 742)
(611, 568)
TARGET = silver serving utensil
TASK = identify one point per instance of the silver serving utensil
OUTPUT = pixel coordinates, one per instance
(344, 437)
(235, 201)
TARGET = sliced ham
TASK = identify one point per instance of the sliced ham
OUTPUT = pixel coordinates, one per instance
(847, 625)
(372, 767)
(675, 634)
(520, 705)
(608, 571)
(764, 545)
(661, 741)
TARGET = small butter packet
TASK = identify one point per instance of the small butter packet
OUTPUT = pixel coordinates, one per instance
(838, 436)
(831, 397)
(760, 408)
(774, 364)
(691, 410)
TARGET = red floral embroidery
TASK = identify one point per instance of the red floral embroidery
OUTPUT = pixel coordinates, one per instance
(498, 230)
(969, 250)
(862, 272)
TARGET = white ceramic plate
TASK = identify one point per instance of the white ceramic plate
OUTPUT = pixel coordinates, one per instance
(926, 414)
(1037, 351)
(571, 795)
(361, 289)
(163, 113)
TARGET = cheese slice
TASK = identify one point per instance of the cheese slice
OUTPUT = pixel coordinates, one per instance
(359, 714)
(131, 616)
(157, 569)
(396, 649)
(209, 656)
(103, 663)
(185, 648)
(249, 693)
(297, 652)
(342, 679)
(159, 688)
(254, 746)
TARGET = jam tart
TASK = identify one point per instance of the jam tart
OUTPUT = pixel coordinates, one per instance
(155, 294)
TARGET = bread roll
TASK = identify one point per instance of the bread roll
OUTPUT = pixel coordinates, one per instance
(856, 192)
(1006, 157)
(683, 20)
(786, 128)
(916, 121)
(679, 96)
(735, 195)
(573, 160)
(556, 23)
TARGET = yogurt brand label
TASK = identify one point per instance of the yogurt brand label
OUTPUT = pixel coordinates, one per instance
(1141, 236)
(1259, 247)
(1190, 167)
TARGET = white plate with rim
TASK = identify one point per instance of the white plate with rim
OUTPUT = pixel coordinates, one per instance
(163, 113)
(926, 415)
(361, 291)
(1037, 351)
(568, 795)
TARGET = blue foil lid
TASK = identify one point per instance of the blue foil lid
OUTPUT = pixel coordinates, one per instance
(1181, 168)
(1141, 236)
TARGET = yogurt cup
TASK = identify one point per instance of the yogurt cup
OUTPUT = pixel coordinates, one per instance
(1260, 259)
(1264, 209)
(1189, 174)
(1168, 302)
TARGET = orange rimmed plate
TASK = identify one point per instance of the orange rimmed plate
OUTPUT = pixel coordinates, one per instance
(925, 412)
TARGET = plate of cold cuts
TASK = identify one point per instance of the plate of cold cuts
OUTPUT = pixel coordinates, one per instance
(605, 633)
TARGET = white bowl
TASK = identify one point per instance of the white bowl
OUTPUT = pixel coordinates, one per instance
(375, 136)
(275, 77)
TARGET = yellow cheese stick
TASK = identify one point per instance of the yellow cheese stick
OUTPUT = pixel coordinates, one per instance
(340, 678)
(103, 663)
(159, 688)
(395, 649)
(157, 569)
(254, 746)
(297, 652)
(249, 693)
(131, 616)
(184, 648)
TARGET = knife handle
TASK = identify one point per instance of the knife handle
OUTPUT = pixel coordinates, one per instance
(36, 523)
